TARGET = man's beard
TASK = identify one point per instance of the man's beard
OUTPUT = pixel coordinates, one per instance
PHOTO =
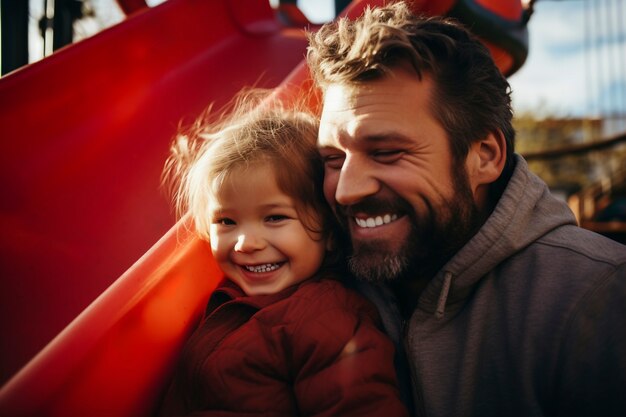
(430, 243)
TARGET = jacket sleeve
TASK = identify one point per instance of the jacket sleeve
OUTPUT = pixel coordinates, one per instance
(593, 360)
(343, 363)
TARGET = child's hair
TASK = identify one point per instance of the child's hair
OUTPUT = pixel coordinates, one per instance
(253, 133)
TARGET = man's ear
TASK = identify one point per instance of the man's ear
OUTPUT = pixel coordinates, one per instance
(485, 161)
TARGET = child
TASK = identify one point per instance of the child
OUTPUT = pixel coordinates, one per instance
(281, 336)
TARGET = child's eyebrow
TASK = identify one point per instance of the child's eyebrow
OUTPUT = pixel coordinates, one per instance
(271, 206)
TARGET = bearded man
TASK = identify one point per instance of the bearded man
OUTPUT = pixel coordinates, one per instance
(503, 304)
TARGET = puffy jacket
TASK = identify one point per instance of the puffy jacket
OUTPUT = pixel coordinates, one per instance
(311, 350)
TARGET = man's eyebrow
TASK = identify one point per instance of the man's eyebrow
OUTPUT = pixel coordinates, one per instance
(394, 138)
(386, 137)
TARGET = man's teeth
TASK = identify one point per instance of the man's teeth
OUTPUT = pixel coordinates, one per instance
(262, 268)
(376, 221)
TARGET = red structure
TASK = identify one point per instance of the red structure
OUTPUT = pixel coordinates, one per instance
(84, 136)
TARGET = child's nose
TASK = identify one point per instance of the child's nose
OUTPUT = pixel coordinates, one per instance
(249, 242)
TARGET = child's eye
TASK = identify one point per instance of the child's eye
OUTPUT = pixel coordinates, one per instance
(224, 221)
(275, 218)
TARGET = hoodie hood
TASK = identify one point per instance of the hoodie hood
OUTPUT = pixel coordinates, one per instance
(525, 212)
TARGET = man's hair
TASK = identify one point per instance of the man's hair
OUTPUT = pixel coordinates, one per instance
(471, 97)
(252, 135)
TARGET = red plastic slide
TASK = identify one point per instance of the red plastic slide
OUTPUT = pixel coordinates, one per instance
(84, 134)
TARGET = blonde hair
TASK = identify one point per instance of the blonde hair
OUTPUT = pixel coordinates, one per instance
(253, 132)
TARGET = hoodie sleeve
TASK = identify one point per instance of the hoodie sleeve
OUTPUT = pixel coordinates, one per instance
(343, 363)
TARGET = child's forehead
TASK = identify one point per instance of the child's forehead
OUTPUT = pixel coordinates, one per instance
(247, 183)
(242, 171)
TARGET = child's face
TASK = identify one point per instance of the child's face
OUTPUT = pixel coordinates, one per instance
(257, 237)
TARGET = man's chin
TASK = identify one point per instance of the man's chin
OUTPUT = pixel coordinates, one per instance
(374, 262)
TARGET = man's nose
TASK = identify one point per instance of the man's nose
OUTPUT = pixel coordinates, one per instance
(249, 241)
(356, 181)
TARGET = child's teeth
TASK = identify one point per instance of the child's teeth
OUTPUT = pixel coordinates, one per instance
(262, 268)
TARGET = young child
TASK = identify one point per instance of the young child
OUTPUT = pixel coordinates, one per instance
(281, 336)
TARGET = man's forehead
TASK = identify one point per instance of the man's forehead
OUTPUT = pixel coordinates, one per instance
(393, 106)
(350, 96)
(338, 96)
(363, 113)
(400, 84)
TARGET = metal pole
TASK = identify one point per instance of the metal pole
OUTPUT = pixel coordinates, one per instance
(14, 15)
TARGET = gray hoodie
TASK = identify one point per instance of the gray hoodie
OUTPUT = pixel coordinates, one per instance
(527, 319)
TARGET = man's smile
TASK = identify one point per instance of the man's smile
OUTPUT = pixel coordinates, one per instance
(371, 222)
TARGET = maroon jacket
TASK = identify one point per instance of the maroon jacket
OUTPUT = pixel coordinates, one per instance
(314, 349)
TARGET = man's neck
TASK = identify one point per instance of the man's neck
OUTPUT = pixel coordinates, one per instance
(407, 292)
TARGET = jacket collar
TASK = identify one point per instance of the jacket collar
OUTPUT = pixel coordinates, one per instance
(228, 291)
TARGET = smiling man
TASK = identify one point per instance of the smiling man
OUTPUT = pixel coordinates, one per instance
(504, 305)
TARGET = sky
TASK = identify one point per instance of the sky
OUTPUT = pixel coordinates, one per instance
(576, 65)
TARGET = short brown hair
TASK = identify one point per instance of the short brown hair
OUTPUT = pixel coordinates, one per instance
(253, 132)
(472, 97)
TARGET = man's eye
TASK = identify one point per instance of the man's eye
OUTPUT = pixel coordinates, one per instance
(387, 156)
(334, 161)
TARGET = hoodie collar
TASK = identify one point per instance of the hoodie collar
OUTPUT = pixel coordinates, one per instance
(525, 212)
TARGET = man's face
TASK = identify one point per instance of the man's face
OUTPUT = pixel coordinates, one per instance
(391, 178)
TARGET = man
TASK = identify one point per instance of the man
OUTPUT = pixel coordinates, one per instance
(505, 306)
